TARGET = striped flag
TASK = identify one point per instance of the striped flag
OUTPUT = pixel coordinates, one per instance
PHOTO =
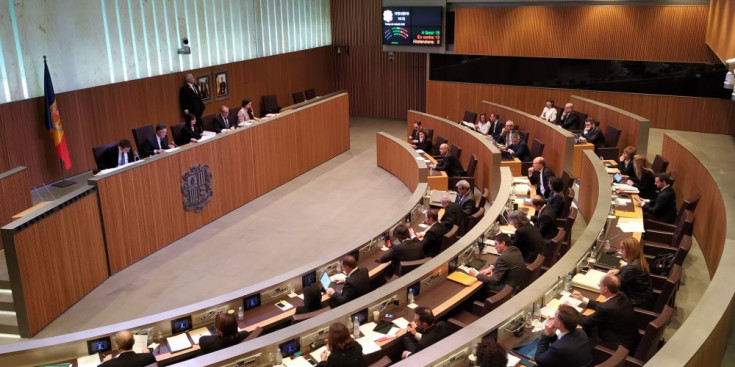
(53, 120)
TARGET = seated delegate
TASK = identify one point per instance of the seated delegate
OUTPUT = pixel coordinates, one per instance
(545, 218)
(625, 163)
(226, 336)
(518, 149)
(190, 133)
(407, 249)
(507, 271)
(539, 175)
(527, 238)
(245, 114)
(635, 277)
(432, 241)
(453, 215)
(119, 155)
(663, 207)
(342, 349)
(562, 344)
(422, 332)
(312, 299)
(422, 142)
(126, 357)
(158, 143)
(643, 178)
(356, 284)
(592, 134)
(449, 163)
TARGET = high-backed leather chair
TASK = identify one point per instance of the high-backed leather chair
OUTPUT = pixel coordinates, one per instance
(481, 308)
(176, 134)
(660, 164)
(688, 204)
(208, 122)
(257, 331)
(470, 117)
(449, 238)
(310, 93)
(468, 175)
(140, 135)
(473, 219)
(617, 359)
(97, 153)
(610, 150)
(568, 231)
(455, 151)
(406, 266)
(483, 198)
(537, 150)
(533, 271)
(551, 254)
(296, 318)
(567, 181)
(648, 345)
(270, 104)
(298, 97)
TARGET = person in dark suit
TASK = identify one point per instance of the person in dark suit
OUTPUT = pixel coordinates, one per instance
(422, 142)
(450, 163)
(356, 284)
(643, 178)
(124, 342)
(312, 299)
(414, 137)
(157, 143)
(518, 149)
(556, 199)
(432, 241)
(453, 215)
(508, 270)
(190, 133)
(625, 164)
(569, 119)
(539, 175)
(422, 332)
(613, 323)
(506, 135)
(227, 334)
(527, 238)
(663, 207)
(465, 197)
(490, 354)
(571, 348)
(408, 249)
(342, 349)
(545, 218)
(592, 133)
(190, 100)
(222, 120)
(119, 155)
(635, 277)
(496, 127)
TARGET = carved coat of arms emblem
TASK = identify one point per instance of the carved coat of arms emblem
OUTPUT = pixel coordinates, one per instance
(197, 188)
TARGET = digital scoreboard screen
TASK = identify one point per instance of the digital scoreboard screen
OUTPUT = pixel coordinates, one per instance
(413, 26)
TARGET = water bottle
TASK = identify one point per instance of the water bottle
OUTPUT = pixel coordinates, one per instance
(568, 283)
(349, 323)
(279, 357)
(410, 296)
(240, 313)
(476, 249)
(593, 253)
(607, 246)
(356, 328)
(529, 319)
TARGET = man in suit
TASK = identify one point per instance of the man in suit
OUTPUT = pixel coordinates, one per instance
(527, 238)
(124, 342)
(613, 323)
(506, 135)
(190, 98)
(496, 127)
(157, 143)
(408, 249)
(569, 119)
(450, 163)
(509, 269)
(432, 241)
(562, 344)
(465, 197)
(518, 149)
(545, 218)
(592, 133)
(356, 284)
(222, 120)
(422, 332)
(556, 199)
(453, 215)
(539, 175)
(119, 155)
(414, 137)
(663, 207)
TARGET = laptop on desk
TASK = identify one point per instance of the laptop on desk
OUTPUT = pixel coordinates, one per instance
(327, 282)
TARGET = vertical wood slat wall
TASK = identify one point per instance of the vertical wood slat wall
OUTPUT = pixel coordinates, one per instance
(16, 197)
(377, 87)
(719, 28)
(244, 165)
(707, 115)
(105, 114)
(55, 261)
(655, 33)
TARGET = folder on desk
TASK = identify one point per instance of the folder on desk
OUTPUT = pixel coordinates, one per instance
(178, 342)
(624, 214)
(198, 333)
(462, 278)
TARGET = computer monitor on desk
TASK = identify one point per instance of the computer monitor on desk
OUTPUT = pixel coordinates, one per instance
(308, 279)
(251, 302)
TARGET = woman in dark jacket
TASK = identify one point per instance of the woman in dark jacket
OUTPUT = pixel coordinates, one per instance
(625, 165)
(312, 299)
(643, 179)
(190, 133)
(227, 334)
(343, 350)
(423, 143)
(635, 277)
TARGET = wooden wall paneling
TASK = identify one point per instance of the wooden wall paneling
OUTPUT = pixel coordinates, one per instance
(54, 261)
(107, 113)
(719, 37)
(656, 33)
(488, 156)
(634, 128)
(397, 157)
(16, 196)
(706, 115)
(558, 143)
(588, 185)
(379, 88)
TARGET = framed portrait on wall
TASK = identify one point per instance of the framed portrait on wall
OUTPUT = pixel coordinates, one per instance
(205, 88)
(221, 86)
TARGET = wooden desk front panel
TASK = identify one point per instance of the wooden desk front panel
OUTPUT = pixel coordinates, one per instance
(588, 185)
(16, 196)
(557, 142)
(60, 259)
(577, 158)
(470, 142)
(142, 207)
(634, 128)
(394, 158)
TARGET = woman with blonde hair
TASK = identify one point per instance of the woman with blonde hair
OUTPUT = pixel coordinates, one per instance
(635, 277)
(643, 179)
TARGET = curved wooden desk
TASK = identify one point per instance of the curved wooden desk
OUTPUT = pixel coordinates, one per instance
(634, 128)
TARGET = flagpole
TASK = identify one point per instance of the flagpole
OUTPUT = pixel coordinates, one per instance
(63, 182)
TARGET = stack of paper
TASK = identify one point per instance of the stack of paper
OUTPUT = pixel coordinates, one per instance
(625, 188)
(178, 342)
(513, 360)
(589, 281)
(317, 354)
(198, 333)
(296, 362)
(631, 225)
(368, 346)
(140, 343)
(521, 180)
(550, 309)
(89, 361)
(401, 323)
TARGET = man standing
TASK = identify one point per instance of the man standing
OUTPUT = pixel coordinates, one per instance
(613, 323)
(157, 143)
(116, 156)
(124, 342)
(450, 163)
(422, 332)
(408, 249)
(508, 270)
(545, 218)
(539, 175)
(414, 137)
(222, 121)
(357, 283)
(562, 344)
(497, 126)
(190, 98)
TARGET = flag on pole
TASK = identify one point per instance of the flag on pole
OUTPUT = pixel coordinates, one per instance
(53, 120)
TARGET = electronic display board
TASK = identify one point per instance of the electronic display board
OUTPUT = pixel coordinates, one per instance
(412, 26)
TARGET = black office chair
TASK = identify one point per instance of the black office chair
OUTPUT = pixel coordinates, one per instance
(176, 134)
(310, 93)
(97, 153)
(140, 135)
(610, 150)
(270, 104)
(470, 117)
(298, 97)
(208, 123)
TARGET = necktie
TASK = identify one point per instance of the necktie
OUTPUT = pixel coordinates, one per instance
(159, 143)
(194, 89)
(121, 161)
(227, 123)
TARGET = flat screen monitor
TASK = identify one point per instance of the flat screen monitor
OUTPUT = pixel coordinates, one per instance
(251, 302)
(412, 26)
(308, 279)
(290, 347)
(99, 345)
(453, 265)
(362, 316)
(415, 289)
(181, 324)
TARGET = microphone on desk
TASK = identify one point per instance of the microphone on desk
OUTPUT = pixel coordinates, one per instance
(136, 157)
